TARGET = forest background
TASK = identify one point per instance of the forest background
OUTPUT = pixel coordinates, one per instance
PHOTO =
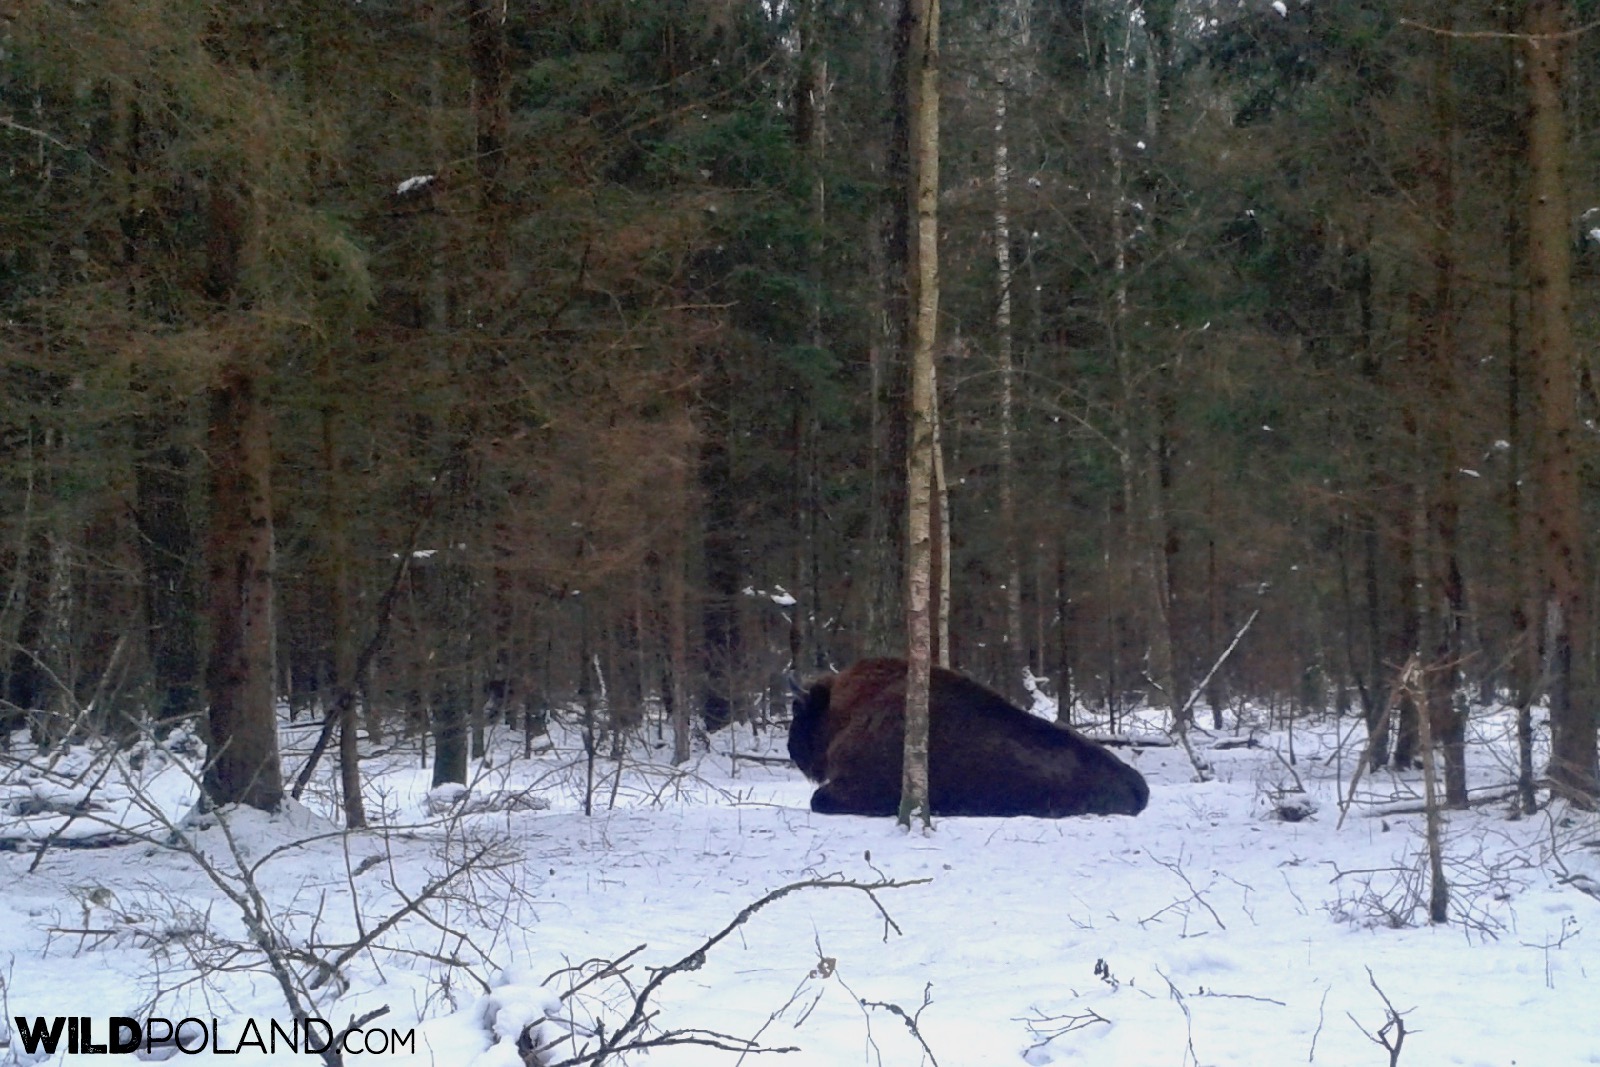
(448, 361)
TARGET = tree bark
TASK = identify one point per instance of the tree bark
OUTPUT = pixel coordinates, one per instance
(720, 533)
(336, 565)
(886, 575)
(811, 136)
(1524, 655)
(41, 679)
(1446, 602)
(167, 549)
(1018, 660)
(449, 725)
(163, 473)
(486, 46)
(242, 726)
(923, 107)
(1557, 515)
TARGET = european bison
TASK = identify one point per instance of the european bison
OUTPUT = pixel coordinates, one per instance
(985, 757)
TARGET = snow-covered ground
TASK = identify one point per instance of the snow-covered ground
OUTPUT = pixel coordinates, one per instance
(1209, 930)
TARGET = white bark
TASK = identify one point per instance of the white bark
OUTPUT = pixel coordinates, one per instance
(1015, 643)
(921, 464)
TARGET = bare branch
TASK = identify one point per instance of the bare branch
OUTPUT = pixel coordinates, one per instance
(7, 122)
(911, 1021)
(1392, 1034)
(1501, 35)
(630, 1034)
(1180, 718)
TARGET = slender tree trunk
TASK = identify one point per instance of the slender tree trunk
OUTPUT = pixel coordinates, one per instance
(163, 477)
(336, 577)
(680, 659)
(719, 613)
(1404, 626)
(56, 652)
(923, 107)
(940, 581)
(1017, 659)
(676, 582)
(1446, 591)
(1216, 687)
(40, 681)
(1167, 659)
(486, 46)
(1171, 660)
(1143, 517)
(487, 49)
(456, 599)
(1557, 515)
(1371, 671)
(19, 669)
(1066, 691)
(1519, 568)
(811, 135)
(1415, 682)
(167, 546)
(886, 575)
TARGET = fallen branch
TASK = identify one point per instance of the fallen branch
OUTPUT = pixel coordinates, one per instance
(775, 761)
(1421, 807)
(1379, 729)
(1582, 882)
(356, 684)
(1180, 719)
(88, 841)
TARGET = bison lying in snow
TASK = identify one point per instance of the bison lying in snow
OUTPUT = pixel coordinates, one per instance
(985, 757)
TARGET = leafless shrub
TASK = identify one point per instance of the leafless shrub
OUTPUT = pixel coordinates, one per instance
(1046, 1028)
(1569, 930)
(1397, 897)
(1391, 1036)
(1182, 906)
(1282, 794)
(152, 918)
(300, 944)
(1571, 834)
(605, 1012)
(1383, 897)
(912, 1021)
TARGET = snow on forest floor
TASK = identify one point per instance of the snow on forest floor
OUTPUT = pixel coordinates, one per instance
(1206, 931)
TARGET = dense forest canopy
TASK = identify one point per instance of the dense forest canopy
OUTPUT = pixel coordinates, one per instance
(543, 352)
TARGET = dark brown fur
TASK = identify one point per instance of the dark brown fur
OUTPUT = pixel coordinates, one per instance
(985, 756)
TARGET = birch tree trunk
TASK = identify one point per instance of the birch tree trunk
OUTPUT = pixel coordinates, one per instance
(1012, 28)
(1143, 455)
(811, 136)
(940, 585)
(923, 109)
